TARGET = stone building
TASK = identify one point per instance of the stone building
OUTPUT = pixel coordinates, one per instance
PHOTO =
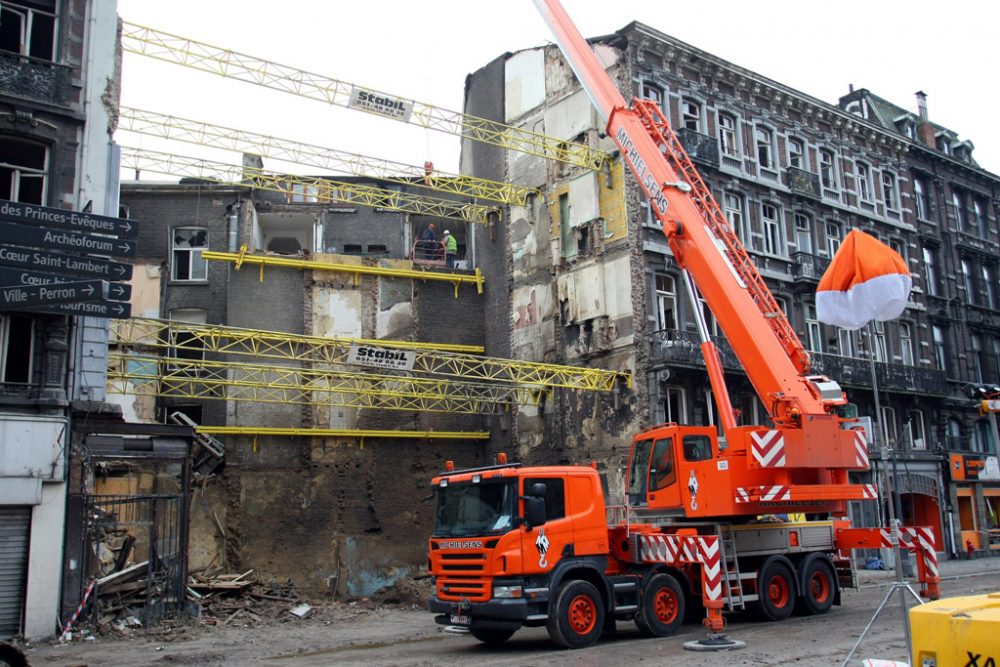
(59, 74)
(793, 174)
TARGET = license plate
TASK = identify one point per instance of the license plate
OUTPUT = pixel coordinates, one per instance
(460, 619)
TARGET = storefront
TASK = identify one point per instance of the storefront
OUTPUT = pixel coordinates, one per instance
(976, 500)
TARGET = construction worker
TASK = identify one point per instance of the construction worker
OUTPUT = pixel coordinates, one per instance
(429, 243)
(450, 249)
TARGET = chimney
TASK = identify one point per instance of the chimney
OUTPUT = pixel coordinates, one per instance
(922, 104)
(925, 131)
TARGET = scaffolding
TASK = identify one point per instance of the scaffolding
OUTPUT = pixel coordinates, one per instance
(242, 67)
(286, 150)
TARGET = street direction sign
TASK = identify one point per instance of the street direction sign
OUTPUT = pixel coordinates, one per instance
(44, 216)
(20, 296)
(91, 267)
(48, 238)
(12, 277)
(111, 309)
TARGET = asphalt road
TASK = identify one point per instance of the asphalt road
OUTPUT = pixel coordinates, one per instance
(408, 636)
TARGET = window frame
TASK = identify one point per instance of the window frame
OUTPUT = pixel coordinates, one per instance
(863, 182)
(194, 251)
(800, 156)
(917, 417)
(730, 133)
(14, 349)
(832, 241)
(805, 231)
(906, 350)
(828, 169)
(922, 206)
(23, 172)
(763, 139)
(814, 329)
(687, 119)
(771, 228)
(27, 29)
(890, 190)
(664, 296)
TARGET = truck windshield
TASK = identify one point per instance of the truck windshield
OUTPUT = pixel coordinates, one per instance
(475, 509)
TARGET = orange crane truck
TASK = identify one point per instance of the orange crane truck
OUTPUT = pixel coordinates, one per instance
(521, 546)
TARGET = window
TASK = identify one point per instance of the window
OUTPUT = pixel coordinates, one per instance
(982, 436)
(944, 145)
(889, 190)
(889, 426)
(961, 214)
(674, 405)
(864, 181)
(770, 215)
(797, 153)
(710, 322)
(691, 115)
(931, 269)
(827, 173)
(555, 495)
(846, 342)
(814, 333)
(727, 135)
(28, 31)
(734, 213)
(982, 225)
(834, 233)
(878, 345)
(967, 281)
(988, 296)
(303, 193)
(17, 336)
(915, 429)
(23, 165)
(662, 471)
(666, 302)
(940, 348)
(803, 233)
(920, 196)
(188, 244)
(954, 433)
(976, 342)
(764, 141)
(697, 448)
(651, 92)
(906, 343)
(184, 343)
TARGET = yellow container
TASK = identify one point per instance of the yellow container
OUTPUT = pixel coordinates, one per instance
(962, 631)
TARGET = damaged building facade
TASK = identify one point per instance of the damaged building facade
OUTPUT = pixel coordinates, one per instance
(793, 175)
(341, 513)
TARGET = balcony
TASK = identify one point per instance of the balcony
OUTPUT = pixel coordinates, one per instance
(808, 267)
(683, 348)
(36, 79)
(803, 182)
(700, 147)
(850, 371)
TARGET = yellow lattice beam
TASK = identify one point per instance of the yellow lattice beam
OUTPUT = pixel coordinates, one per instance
(321, 188)
(342, 433)
(242, 67)
(286, 150)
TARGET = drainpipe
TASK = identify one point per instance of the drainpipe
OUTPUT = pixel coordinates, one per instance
(233, 227)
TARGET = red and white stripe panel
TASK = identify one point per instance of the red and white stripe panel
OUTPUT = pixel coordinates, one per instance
(921, 538)
(762, 494)
(860, 449)
(711, 567)
(768, 447)
(659, 548)
(871, 493)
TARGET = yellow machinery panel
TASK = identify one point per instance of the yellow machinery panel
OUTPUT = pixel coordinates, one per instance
(957, 631)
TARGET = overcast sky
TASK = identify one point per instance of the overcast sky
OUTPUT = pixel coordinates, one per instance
(424, 50)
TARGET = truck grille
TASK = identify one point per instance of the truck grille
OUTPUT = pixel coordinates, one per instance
(464, 563)
(474, 590)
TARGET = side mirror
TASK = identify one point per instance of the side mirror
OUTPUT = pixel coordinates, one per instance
(534, 511)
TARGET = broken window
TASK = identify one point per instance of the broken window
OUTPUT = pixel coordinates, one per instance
(352, 249)
(691, 115)
(377, 249)
(23, 165)
(187, 246)
(17, 334)
(28, 28)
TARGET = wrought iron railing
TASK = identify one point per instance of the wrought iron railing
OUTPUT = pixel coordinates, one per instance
(803, 182)
(809, 266)
(853, 371)
(684, 348)
(700, 147)
(37, 79)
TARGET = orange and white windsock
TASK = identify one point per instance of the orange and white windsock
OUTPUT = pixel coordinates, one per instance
(867, 280)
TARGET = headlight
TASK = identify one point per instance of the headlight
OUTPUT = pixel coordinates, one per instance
(508, 591)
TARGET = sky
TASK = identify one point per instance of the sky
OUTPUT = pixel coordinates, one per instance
(425, 50)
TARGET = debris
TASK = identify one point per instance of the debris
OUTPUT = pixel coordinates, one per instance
(301, 611)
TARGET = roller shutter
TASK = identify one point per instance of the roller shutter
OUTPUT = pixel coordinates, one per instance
(15, 524)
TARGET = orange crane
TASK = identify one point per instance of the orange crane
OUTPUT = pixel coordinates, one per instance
(518, 546)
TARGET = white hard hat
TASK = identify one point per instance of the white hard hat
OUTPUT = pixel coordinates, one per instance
(447, 232)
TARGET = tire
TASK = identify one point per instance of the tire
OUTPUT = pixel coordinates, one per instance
(819, 585)
(663, 607)
(576, 615)
(775, 590)
(491, 637)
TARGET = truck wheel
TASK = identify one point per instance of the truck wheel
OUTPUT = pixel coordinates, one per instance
(775, 590)
(662, 607)
(576, 615)
(491, 637)
(819, 585)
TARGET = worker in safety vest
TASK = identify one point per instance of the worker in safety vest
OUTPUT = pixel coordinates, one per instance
(450, 249)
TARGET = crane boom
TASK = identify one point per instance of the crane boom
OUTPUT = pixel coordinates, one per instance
(702, 242)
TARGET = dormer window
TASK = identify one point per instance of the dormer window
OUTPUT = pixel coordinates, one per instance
(944, 144)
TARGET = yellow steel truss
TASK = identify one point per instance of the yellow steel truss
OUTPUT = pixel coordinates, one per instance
(132, 373)
(324, 189)
(241, 141)
(342, 433)
(242, 67)
(357, 270)
(431, 358)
